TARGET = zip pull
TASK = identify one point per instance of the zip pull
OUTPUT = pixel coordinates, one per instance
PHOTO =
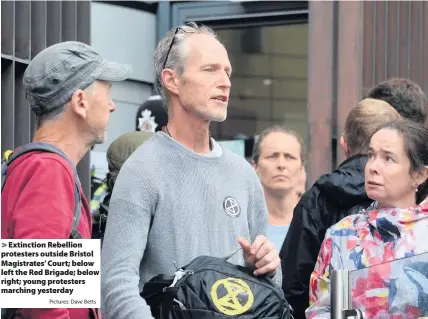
(175, 265)
(232, 254)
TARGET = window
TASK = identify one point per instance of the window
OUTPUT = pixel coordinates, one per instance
(269, 80)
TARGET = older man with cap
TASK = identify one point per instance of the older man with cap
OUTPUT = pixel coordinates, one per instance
(68, 87)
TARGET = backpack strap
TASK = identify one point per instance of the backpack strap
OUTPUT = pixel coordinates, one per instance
(46, 147)
(168, 296)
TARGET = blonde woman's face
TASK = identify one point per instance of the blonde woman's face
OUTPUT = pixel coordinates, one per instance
(280, 164)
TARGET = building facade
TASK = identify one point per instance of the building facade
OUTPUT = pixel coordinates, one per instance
(303, 64)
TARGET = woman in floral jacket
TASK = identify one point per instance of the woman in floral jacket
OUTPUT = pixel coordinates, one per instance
(395, 226)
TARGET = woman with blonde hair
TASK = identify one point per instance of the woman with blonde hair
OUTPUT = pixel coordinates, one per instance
(278, 159)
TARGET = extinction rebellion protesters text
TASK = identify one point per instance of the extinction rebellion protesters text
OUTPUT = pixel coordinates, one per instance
(67, 269)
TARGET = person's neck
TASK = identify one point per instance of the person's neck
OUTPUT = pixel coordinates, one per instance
(407, 202)
(68, 141)
(190, 131)
(281, 207)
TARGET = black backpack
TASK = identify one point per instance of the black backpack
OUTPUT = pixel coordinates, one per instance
(42, 147)
(213, 288)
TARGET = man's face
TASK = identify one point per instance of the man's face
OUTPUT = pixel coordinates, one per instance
(100, 107)
(204, 87)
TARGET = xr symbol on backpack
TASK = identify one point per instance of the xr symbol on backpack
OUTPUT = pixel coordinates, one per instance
(232, 296)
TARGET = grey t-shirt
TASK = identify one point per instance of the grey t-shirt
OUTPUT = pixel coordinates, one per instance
(169, 205)
(217, 151)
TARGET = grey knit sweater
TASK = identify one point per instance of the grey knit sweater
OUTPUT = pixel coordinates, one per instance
(171, 204)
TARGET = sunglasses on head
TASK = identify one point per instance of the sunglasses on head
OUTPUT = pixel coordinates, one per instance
(173, 41)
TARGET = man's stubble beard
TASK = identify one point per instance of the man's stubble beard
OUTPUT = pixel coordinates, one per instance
(98, 138)
(212, 116)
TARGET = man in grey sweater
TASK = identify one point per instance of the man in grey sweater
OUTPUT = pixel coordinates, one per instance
(181, 195)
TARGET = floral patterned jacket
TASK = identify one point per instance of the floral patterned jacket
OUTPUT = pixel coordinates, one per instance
(376, 237)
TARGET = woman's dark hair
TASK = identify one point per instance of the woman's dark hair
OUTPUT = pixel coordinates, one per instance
(415, 137)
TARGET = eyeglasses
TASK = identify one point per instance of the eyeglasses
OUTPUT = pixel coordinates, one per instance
(173, 41)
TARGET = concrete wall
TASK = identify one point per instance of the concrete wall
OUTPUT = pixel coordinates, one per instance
(124, 35)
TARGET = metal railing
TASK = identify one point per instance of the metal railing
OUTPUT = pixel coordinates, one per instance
(341, 307)
(393, 288)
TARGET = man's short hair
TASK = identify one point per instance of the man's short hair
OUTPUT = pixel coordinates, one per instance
(170, 51)
(363, 121)
(405, 96)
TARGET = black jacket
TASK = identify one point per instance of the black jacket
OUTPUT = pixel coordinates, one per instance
(332, 197)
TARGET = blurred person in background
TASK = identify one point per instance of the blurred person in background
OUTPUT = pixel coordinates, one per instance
(117, 154)
(393, 227)
(332, 197)
(181, 195)
(278, 159)
(151, 117)
(405, 96)
(68, 88)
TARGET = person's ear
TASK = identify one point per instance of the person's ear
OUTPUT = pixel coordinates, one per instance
(79, 103)
(170, 80)
(420, 177)
(344, 146)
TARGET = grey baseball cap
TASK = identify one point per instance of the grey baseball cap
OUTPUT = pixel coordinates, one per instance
(58, 71)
